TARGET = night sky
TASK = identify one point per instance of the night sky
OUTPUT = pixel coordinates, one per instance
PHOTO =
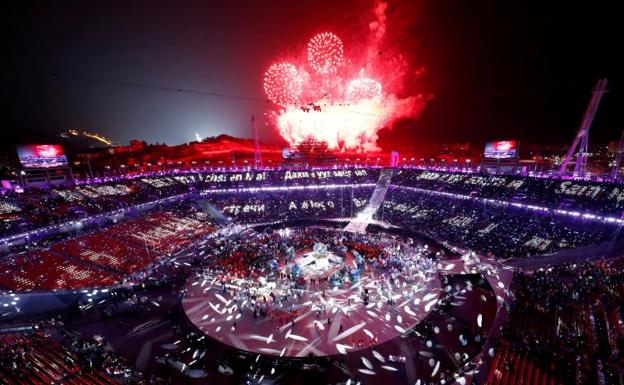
(498, 70)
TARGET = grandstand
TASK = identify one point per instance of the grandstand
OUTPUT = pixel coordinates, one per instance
(456, 265)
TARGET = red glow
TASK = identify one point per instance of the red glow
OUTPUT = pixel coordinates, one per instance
(342, 99)
(503, 146)
(48, 151)
(363, 89)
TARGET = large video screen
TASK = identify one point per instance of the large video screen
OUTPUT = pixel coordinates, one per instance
(41, 156)
(503, 149)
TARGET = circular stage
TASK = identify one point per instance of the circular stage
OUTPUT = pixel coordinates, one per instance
(324, 298)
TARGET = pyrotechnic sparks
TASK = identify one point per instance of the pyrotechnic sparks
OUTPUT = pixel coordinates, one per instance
(340, 99)
(325, 52)
(351, 126)
(363, 89)
(282, 84)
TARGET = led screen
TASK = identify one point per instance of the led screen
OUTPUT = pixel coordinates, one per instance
(41, 156)
(503, 149)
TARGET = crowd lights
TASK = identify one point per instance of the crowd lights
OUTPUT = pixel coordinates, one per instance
(536, 208)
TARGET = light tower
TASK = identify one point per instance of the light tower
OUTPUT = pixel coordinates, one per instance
(394, 158)
(582, 137)
(257, 154)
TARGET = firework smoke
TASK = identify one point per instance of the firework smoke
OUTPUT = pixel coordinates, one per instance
(340, 97)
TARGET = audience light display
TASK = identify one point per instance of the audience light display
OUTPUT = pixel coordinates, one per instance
(41, 156)
(504, 149)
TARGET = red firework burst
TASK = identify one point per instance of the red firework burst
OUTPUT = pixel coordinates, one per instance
(325, 52)
(363, 89)
(283, 84)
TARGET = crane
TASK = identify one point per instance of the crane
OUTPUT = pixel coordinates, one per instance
(582, 136)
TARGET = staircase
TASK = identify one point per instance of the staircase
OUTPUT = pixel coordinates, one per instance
(365, 217)
(214, 213)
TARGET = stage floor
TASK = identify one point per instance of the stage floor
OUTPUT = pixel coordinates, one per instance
(320, 321)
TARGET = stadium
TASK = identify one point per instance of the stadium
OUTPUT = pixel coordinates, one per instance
(364, 273)
(320, 244)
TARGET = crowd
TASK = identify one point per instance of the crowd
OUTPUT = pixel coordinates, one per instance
(269, 206)
(504, 232)
(266, 275)
(20, 212)
(105, 256)
(566, 323)
(250, 257)
(596, 197)
(40, 208)
(36, 357)
(108, 256)
(573, 312)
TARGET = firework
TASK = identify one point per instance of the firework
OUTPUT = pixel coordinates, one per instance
(342, 99)
(283, 84)
(325, 53)
(363, 89)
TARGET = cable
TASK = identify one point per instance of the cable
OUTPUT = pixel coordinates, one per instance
(151, 86)
(124, 83)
